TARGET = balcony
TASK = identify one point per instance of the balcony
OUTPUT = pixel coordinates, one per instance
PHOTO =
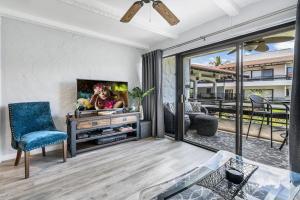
(256, 147)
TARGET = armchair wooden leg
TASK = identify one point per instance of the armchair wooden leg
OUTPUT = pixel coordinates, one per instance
(44, 151)
(64, 144)
(18, 158)
(27, 162)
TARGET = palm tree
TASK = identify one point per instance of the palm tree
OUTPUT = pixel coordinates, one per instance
(217, 61)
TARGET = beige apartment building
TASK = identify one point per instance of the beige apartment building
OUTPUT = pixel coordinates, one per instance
(268, 74)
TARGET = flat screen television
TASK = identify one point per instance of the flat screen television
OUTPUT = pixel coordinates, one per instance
(102, 95)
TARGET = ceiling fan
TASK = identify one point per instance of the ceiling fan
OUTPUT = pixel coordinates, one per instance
(159, 6)
(261, 45)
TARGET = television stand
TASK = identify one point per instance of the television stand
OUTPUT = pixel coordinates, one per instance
(94, 132)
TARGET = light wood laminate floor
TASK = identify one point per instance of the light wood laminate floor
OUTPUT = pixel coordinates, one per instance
(115, 173)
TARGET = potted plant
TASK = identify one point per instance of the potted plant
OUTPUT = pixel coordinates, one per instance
(138, 94)
(80, 105)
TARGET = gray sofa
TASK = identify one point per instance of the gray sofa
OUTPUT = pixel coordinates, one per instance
(192, 109)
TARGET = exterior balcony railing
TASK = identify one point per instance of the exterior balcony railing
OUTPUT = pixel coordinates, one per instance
(224, 104)
(259, 78)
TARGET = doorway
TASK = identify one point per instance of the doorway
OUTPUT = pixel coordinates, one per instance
(213, 89)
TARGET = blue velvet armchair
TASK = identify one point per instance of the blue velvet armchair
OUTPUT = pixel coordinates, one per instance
(32, 127)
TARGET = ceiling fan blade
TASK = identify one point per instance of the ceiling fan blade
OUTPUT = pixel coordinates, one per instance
(256, 42)
(278, 39)
(262, 47)
(231, 52)
(132, 11)
(165, 12)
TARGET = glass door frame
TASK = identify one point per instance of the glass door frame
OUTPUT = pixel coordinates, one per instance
(180, 85)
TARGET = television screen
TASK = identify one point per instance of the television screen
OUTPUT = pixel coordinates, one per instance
(99, 95)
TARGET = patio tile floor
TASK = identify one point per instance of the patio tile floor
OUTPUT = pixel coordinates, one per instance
(254, 148)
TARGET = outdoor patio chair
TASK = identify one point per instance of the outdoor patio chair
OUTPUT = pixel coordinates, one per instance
(262, 107)
(286, 134)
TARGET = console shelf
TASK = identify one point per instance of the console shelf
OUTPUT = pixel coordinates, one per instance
(104, 136)
(93, 126)
(89, 147)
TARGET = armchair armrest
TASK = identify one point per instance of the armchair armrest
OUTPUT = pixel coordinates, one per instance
(205, 110)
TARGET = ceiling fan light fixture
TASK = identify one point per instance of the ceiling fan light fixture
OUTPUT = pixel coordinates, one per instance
(261, 45)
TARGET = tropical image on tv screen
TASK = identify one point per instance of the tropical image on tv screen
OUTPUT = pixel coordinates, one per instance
(99, 95)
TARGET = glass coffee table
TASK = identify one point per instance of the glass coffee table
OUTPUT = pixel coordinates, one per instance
(266, 183)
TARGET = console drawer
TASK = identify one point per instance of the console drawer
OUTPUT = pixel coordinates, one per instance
(122, 120)
(93, 124)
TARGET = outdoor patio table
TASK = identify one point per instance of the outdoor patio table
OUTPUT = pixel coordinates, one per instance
(266, 183)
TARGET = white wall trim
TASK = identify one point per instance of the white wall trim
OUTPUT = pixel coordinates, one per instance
(4, 12)
(115, 14)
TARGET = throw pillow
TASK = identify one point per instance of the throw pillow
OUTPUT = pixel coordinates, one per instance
(172, 107)
(196, 106)
(188, 107)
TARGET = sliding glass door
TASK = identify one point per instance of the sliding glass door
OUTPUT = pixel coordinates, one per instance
(267, 83)
(210, 98)
(235, 95)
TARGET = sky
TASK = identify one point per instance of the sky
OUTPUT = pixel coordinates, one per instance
(206, 59)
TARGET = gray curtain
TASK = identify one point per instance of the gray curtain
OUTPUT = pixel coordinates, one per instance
(153, 104)
(294, 133)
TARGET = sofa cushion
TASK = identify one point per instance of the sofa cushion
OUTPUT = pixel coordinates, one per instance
(39, 139)
(196, 106)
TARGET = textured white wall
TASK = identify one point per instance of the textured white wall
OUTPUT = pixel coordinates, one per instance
(42, 64)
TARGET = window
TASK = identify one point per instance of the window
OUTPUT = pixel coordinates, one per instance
(260, 74)
(267, 73)
(289, 72)
(208, 90)
(256, 74)
(229, 95)
(287, 92)
(247, 74)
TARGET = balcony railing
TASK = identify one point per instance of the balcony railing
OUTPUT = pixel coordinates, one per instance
(259, 78)
(225, 108)
(228, 97)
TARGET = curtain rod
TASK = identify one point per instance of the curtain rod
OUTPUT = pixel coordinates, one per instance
(232, 27)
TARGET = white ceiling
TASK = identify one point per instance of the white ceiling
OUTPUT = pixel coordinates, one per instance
(100, 18)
